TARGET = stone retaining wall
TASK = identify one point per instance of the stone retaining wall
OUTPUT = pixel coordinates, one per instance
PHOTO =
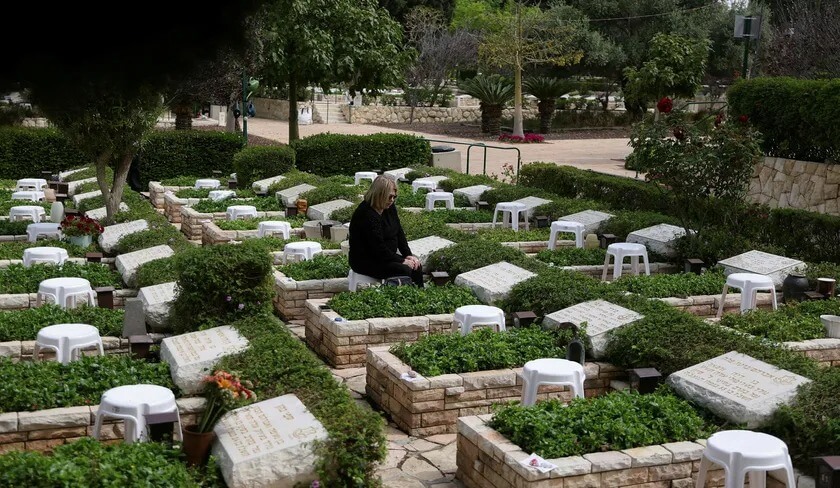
(269, 108)
(157, 192)
(825, 351)
(428, 406)
(343, 344)
(707, 305)
(23, 301)
(374, 114)
(291, 296)
(192, 222)
(783, 183)
(43, 430)
(172, 206)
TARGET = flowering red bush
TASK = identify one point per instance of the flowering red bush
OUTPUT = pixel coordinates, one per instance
(529, 138)
(665, 105)
(81, 225)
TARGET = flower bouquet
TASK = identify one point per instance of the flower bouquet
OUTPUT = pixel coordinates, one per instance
(80, 229)
(224, 392)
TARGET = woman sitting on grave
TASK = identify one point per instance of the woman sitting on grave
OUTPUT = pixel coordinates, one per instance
(378, 247)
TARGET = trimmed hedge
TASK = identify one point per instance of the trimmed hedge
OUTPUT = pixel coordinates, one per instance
(798, 118)
(26, 151)
(167, 154)
(332, 154)
(254, 163)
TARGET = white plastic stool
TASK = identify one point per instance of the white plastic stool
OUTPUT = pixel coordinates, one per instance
(742, 452)
(31, 212)
(62, 290)
(219, 195)
(66, 340)
(34, 184)
(132, 403)
(47, 229)
(270, 227)
(29, 195)
(471, 315)
(427, 184)
(551, 371)
(749, 283)
(621, 250)
(355, 279)
(53, 255)
(364, 175)
(303, 250)
(235, 212)
(511, 210)
(440, 196)
(566, 226)
(207, 183)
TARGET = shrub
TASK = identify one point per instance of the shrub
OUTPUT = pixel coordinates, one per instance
(17, 279)
(623, 222)
(673, 285)
(321, 267)
(23, 325)
(416, 226)
(253, 224)
(822, 270)
(401, 301)
(332, 191)
(205, 193)
(254, 163)
(14, 249)
(810, 236)
(320, 153)
(263, 204)
(459, 216)
(791, 322)
(294, 178)
(572, 256)
(456, 180)
(553, 290)
(171, 153)
(506, 234)
(17, 228)
(562, 206)
(509, 193)
(473, 254)
(156, 272)
(26, 151)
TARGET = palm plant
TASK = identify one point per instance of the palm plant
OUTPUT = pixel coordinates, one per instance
(547, 90)
(494, 92)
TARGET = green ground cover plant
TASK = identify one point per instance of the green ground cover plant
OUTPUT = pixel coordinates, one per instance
(263, 204)
(482, 350)
(205, 193)
(156, 272)
(321, 267)
(333, 191)
(17, 228)
(253, 163)
(23, 325)
(5, 206)
(822, 270)
(401, 301)
(14, 249)
(407, 197)
(49, 384)
(509, 235)
(623, 222)
(274, 244)
(417, 226)
(458, 216)
(473, 254)
(555, 289)
(673, 285)
(88, 172)
(17, 279)
(572, 256)
(791, 322)
(252, 224)
(294, 178)
(561, 206)
(185, 180)
(160, 231)
(87, 187)
(616, 421)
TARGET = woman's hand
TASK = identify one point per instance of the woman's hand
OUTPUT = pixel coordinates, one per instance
(412, 262)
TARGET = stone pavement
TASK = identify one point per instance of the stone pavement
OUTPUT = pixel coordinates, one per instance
(601, 155)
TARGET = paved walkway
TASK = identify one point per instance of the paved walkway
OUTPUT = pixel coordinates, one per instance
(602, 155)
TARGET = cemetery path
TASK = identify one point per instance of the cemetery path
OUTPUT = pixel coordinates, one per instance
(601, 155)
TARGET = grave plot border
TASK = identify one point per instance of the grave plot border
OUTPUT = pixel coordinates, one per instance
(192, 222)
(595, 270)
(23, 301)
(706, 306)
(212, 234)
(157, 192)
(290, 295)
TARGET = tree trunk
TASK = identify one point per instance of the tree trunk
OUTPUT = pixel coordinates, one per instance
(113, 192)
(183, 117)
(494, 118)
(517, 104)
(546, 108)
(294, 133)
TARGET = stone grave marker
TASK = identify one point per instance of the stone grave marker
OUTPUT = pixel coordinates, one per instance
(322, 211)
(72, 186)
(493, 282)
(473, 193)
(658, 238)
(268, 443)
(427, 245)
(64, 174)
(531, 203)
(738, 387)
(191, 355)
(776, 267)
(128, 263)
(397, 173)
(85, 196)
(134, 320)
(290, 195)
(600, 316)
(262, 185)
(435, 179)
(157, 301)
(102, 212)
(112, 234)
(591, 219)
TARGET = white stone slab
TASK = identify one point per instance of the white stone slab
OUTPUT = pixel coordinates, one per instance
(86, 196)
(192, 355)
(102, 212)
(658, 238)
(290, 195)
(776, 267)
(397, 173)
(592, 219)
(268, 444)
(128, 263)
(473, 193)
(157, 301)
(737, 387)
(531, 203)
(112, 234)
(493, 282)
(600, 316)
(74, 185)
(64, 174)
(262, 185)
(433, 179)
(323, 211)
(427, 245)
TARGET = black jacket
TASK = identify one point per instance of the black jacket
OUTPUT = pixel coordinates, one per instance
(375, 239)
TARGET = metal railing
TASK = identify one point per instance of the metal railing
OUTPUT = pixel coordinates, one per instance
(471, 145)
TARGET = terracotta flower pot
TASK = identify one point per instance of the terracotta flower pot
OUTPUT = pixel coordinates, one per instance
(197, 445)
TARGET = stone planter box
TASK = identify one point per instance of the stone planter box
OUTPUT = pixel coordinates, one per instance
(432, 405)
(825, 351)
(192, 222)
(344, 344)
(172, 206)
(157, 193)
(43, 430)
(23, 301)
(213, 234)
(707, 305)
(291, 296)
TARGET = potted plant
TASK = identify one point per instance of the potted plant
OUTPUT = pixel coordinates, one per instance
(80, 230)
(224, 392)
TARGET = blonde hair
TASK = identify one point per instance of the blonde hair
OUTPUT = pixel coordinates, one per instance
(379, 192)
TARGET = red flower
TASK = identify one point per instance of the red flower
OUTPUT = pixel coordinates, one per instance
(665, 105)
(743, 119)
(718, 120)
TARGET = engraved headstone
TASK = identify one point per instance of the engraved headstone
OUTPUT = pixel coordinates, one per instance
(397, 173)
(102, 212)
(427, 245)
(323, 211)
(269, 443)
(78, 198)
(112, 234)
(591, 219)
(737, 387)
(290, 195)
(776, 267)
(493, 282)
(531, 203)
(435, 179)
(157, 301)
(74, 185)
(658, 238)
(600, 316)
(191, 355)
(134, 320)
(473, 193)
(128, 263)
(262, 185)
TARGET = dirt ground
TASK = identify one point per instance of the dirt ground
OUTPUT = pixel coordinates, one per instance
(473, 131)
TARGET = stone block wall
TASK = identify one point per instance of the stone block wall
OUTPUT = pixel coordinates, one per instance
(213, 234)
(23, 301)
(825, 351)
(269, 108)
(24, 350)
(788, 183)
(291, 296)
(429, 406)
(707, 305)
(371, 114)
(157, 193)
(172, 206)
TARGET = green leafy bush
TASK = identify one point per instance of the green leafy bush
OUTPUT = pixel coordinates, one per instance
(253, 224)
(171, 153)
(417, 226)
(26, 151)
(17, 228)
(473, 254)
(459, 216)
(455, 180)
(182, 180)
(623, 222)
(822, 270)
(272, 244)
(616, 421)
(205, 193)
(331, 154)
(791, 322)
(17, 279)
(14, 249)
(562, 206)
(8, 204)
(23, 325)
(343, 214)
(86, 172)
(509, 193)
(482, 350)
(572, 256)
(673, 285)
(49, 384)
(507, 234)
(332, 191)
(321, 267)
(263, 204)
(156, 272)
(401, 301)
(555, 289)
(254, 163)
(294, 178)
